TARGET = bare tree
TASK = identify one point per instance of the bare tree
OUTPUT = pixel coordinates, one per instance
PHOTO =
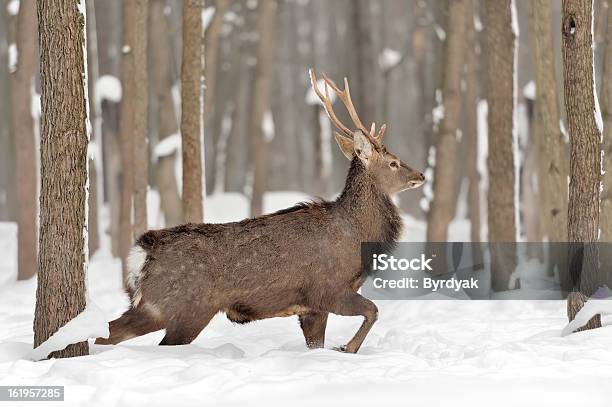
(552, 152)
(140, 146)
(160, 35)
(443, 206)
(192, 111)
(7, 155)
(266, 26)
(211, 138)
(605, 221)
(23, 132)
(126, 127)
(502, 178)
(63, 199)
(108, 46)
(585, 145)
(95, 160)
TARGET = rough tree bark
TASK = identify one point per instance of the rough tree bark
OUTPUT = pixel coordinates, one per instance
(605, 221)
(159, 34)
(552, 151)
(502, 177)
(62, 260)
(22, 82)
(266, 27)
(192, 111)
(126, 127)
(140, 142)
(443, 205)
(585, 147)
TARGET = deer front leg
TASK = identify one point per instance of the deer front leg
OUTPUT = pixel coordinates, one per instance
(352, 305)
(313, 326)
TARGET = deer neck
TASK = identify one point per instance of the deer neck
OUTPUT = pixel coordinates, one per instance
(371, 213)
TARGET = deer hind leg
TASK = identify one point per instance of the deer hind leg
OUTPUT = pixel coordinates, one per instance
(134, 322)
(354, 304)
(313, 326)
(183, 329)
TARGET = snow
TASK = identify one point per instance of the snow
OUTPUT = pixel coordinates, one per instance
(440, 32)
(13, 55)
(267, 126)
(91, 323)
(420, 352)
(388, 59)
(12, 7)
(207, 15)
(529, 90)
(108, 87)
(168, 146)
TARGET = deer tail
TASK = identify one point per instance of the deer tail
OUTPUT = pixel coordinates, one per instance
(136, 261)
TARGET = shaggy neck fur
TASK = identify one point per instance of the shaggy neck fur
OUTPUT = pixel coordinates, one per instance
(371, 212)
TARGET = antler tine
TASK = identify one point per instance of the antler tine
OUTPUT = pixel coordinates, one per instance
(381, 132)
(345, 97)
(327, 104)
(373, 130)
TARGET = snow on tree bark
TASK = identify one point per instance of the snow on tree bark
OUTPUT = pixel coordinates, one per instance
(585, 146)
(443, 205)
(192, 99)
(62, 259)
(22, 82)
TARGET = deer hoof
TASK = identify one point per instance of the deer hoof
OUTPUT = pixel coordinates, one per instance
(340, 348)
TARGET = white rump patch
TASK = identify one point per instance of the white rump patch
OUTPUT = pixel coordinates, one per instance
(135, 262)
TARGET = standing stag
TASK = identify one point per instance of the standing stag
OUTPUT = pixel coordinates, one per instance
(303, 260)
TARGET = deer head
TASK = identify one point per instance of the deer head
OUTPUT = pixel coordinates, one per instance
(392, 175)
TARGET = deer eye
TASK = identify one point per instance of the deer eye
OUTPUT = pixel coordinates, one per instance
(394, 165)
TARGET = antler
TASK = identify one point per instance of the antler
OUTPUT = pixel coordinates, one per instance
(345, 97)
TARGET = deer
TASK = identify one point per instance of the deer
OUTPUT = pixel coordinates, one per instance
(304, 260)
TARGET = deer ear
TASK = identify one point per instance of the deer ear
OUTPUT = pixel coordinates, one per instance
(362, 146)
(345, 144)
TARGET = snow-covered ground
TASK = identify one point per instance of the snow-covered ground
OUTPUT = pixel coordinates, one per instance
(434, 353)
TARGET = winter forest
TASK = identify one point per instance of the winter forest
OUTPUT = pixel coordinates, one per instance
(122, 117)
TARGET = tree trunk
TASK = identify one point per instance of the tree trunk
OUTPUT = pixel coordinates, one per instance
(25, 144)
(605, 222)
(159, 33)
(551, 149)
(266, 27)
(192, 111)
(7, 153)
(62, 260)
(140, 109)
(95, 159)
(126, 127)
(585, 145)
(109, 55)
(443, 205)
(502, 173)
(211, 113)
